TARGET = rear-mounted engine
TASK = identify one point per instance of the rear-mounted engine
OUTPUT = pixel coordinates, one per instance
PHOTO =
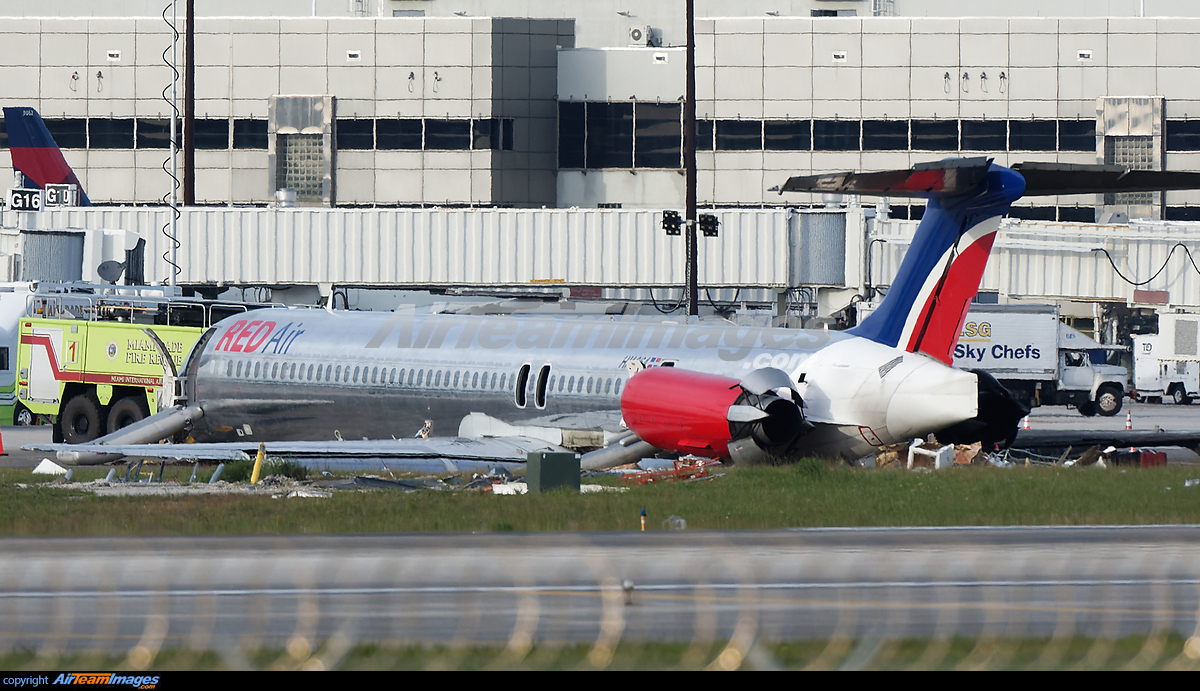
(692, 413)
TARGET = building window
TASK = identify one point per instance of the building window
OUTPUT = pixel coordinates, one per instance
(1032, 135)
(110, 134)
(1183, 135)
(658, 136)
(358, 135)
(984, 135)
(1076, 135)
(485, 134)
(704, 135)
(884, 135)
(250, 134)
(1077, 214)
(393, 135)
(299, 165)
(153, 133)
(70, 133)
(739, 135)
(935, 135)
(836, 135)
(609, 135)
(448, 135)
(1033, 213)
(571, 139)
(787, 135)
(211, 134)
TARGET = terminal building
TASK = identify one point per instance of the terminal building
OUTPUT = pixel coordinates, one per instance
(563, 104)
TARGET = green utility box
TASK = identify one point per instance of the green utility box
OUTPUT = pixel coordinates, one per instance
(549, 471)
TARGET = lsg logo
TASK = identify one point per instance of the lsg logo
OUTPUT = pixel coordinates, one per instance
(1147, 347)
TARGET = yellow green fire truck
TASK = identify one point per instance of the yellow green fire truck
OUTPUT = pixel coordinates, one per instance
(86, 362)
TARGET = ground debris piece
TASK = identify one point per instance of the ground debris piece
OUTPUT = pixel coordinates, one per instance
(933, 456)
(892, 456)
(49, 467)
(307, 493)
(968, 454)
(509, 488)
(494, 476)
(1088, 457)
(674, 522)
(685, 468)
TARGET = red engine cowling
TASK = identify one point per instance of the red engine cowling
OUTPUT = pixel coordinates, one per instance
(693, 413)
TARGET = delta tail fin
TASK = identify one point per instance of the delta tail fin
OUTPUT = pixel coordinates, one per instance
(34, 153)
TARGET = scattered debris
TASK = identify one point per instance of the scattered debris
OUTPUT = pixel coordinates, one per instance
(1191, 483)
(686, 468)
(509, 488)
(310, 493)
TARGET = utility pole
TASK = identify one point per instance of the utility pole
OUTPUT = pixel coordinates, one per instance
(689, 163)
(189, 107)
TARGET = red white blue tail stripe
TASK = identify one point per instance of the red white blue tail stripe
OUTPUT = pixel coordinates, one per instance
(925, 307)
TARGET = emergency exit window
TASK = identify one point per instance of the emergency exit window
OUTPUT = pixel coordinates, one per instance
(4, 358)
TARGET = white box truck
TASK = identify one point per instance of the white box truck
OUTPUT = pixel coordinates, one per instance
(1038, 358)
(1166, 365)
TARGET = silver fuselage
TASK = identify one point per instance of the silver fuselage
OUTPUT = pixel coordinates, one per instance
(287, 374)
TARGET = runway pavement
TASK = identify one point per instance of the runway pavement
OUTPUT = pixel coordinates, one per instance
(121, 594)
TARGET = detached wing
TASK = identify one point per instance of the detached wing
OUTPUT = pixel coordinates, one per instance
(440, 454)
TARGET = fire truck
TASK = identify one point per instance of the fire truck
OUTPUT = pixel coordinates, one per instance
(88, 361)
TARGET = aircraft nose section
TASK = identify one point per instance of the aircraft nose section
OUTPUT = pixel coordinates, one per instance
(932, 397)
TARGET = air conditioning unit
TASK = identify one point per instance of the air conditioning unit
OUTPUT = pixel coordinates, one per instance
(641, 36)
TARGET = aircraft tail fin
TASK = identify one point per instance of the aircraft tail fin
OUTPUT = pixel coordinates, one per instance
(34, 152)
(925, 307)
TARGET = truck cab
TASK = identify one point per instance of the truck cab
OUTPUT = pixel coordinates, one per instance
(1091, 387)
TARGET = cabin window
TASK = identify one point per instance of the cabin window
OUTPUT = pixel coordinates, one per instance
(275, 371)
(420, 378)
(229, 368)
(475, 380)
(320, 368)
(571, 385)
(503, 377)
(256, 366)
(393, 378)
(608, 386)
(456, 376)
(589, 384)
(551, 388)
(292, 374)
(447, 378)
(338, 374)
(356, 371)
(438, 379)
(410, 377)
(561, 383)
(617, 390)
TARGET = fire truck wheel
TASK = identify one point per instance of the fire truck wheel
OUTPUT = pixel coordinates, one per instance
(125, 412)
(23, 417)
(82, 419)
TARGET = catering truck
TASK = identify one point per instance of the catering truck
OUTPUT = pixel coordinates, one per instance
(1039, 359)
(1166, 365)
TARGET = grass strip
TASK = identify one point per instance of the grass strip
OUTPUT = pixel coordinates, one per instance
(808, 494)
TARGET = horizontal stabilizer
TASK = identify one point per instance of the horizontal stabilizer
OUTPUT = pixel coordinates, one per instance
(940, 178)
(1065, 178)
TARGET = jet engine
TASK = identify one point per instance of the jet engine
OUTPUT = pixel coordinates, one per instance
(692, 413)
